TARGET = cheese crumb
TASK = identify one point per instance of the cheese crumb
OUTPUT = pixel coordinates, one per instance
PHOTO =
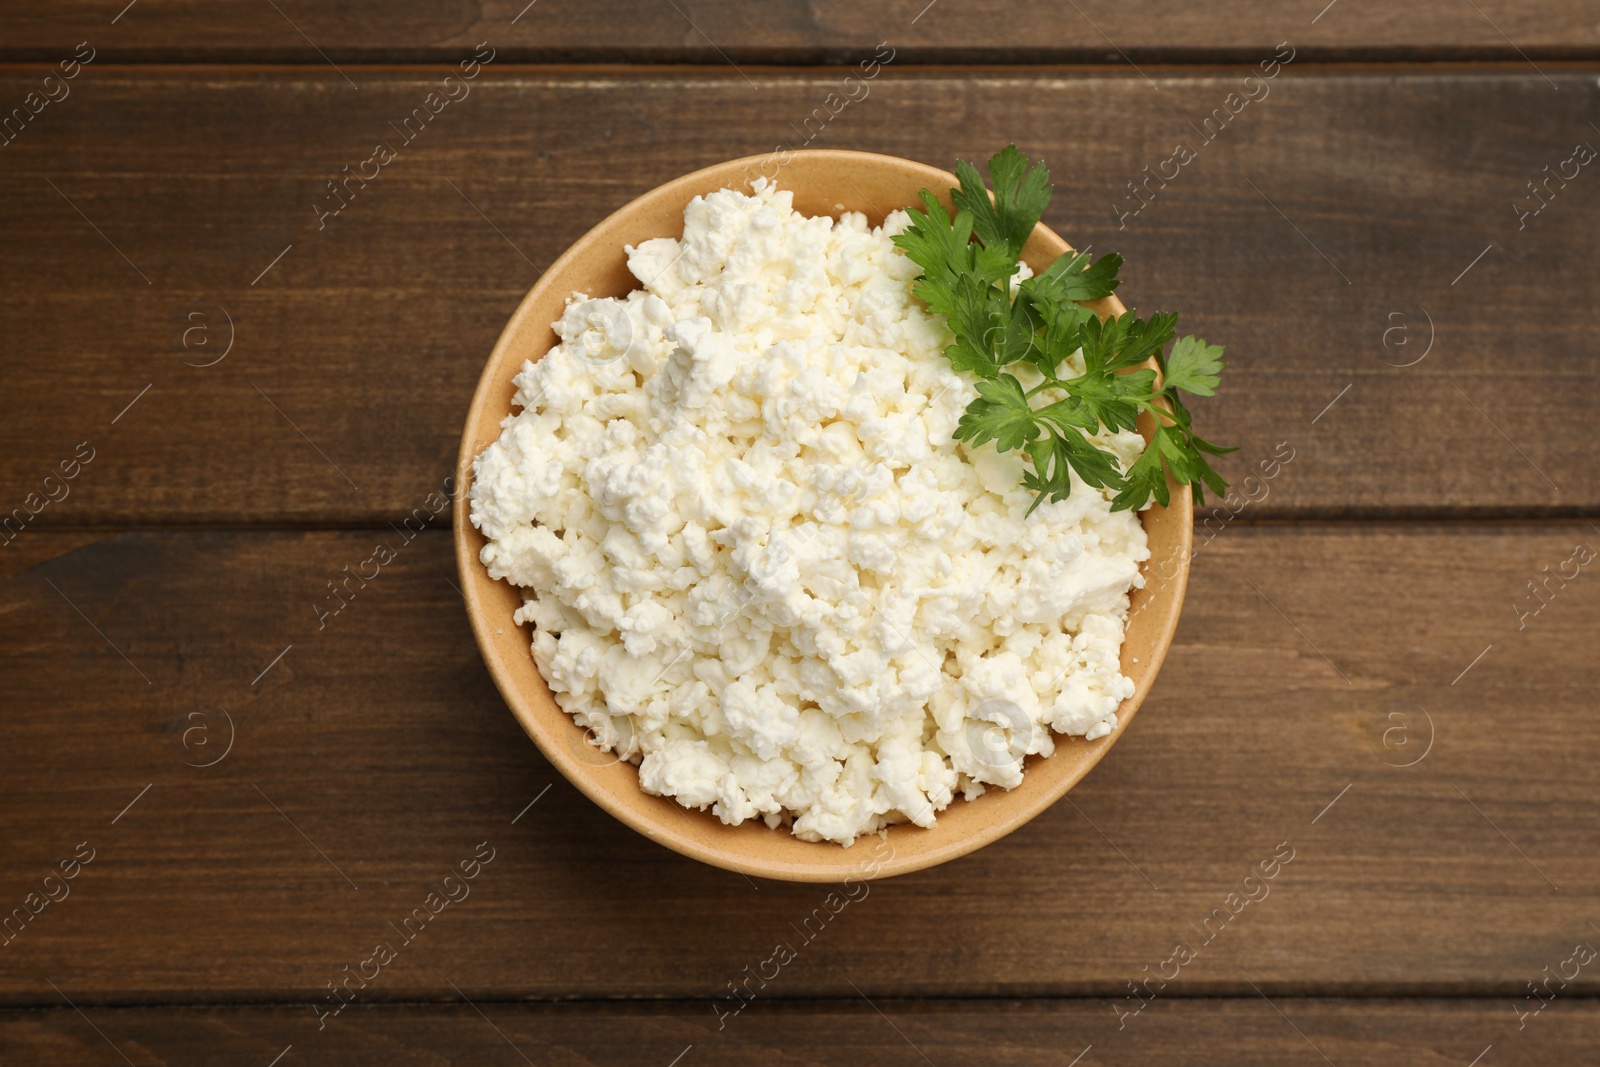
(757, 564)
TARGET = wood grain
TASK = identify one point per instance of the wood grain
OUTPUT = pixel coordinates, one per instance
(1185, 1033)
(1311, 238)
(726, 31)
(371, 756)
(268, 787)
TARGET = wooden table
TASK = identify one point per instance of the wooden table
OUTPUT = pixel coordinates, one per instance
(250, 395)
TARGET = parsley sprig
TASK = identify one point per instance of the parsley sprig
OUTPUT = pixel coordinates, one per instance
(967, 265)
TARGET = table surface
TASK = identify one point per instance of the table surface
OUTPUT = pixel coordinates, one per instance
(1381, 671)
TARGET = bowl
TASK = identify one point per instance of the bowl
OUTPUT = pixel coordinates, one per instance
(823, 182)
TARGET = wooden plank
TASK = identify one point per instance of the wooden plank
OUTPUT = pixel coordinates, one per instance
(1246, 1032)
(1380, 716)
(723, 31)
(1309, 238)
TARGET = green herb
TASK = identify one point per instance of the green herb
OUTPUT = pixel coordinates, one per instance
(967, 265)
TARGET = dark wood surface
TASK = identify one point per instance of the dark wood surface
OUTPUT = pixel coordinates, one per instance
(1358, 675)
(724, 31)
(1252, 1031)
(385, 746)
(356, 354)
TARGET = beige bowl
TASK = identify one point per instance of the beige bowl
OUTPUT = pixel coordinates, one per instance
(824, 183)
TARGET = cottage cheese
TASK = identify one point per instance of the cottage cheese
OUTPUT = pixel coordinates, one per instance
(756, 563)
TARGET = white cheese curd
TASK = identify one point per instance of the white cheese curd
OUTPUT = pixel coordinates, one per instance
(757, 564)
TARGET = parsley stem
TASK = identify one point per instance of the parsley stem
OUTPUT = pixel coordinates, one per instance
(1158, 411)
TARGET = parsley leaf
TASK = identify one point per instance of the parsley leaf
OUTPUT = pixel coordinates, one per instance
(1125, 341)
(1145, 478)
(1057, 454)
(934, 241)
(978, 313)
(1194, 366)
(1020, 197)
(1001, 414)
(1072, 277)
(968, 261)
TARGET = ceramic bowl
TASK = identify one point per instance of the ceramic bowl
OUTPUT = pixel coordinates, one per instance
(823, 182)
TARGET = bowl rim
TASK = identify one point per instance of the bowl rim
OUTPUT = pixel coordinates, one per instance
(474, 578)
